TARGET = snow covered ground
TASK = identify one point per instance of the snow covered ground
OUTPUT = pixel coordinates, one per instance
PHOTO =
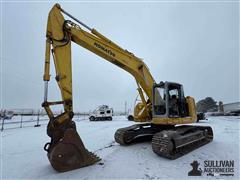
(23, 157)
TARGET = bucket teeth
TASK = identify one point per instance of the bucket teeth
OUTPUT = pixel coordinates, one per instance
(70, 153)
(92, 155)
(92, 158)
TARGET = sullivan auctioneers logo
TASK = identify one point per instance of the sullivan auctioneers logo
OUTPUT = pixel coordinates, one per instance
(212, 168)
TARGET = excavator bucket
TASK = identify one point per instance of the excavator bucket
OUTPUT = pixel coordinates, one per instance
(70, 153)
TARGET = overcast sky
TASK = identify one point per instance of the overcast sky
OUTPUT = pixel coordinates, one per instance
(195, 44)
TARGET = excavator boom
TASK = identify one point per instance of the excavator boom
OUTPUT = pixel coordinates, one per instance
(66, 150)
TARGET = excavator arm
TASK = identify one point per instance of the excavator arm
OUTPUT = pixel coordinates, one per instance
(61, 32)
(66, 150)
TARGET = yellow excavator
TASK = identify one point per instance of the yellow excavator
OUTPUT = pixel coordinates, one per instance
(162, 113)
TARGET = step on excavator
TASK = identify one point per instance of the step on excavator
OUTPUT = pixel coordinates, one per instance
(163, 115)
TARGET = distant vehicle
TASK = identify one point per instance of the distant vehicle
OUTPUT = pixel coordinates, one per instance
(130, 118)
(102, 113)
(7, 114)
(201, 116)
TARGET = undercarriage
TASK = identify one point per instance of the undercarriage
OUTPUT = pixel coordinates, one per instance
(170, 142)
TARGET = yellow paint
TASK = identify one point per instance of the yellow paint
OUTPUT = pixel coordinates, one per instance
(60, 42)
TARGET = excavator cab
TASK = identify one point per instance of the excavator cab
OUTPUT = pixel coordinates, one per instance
(170, 108)
(169, 100)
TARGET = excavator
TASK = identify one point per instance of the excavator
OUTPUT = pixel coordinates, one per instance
(164, 114)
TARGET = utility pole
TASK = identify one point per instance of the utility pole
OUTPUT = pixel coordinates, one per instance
(125, 107)
(38, 114)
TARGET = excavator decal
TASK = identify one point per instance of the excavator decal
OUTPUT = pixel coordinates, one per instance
(104, 49)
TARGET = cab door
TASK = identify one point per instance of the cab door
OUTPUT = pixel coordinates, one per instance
(177, 102)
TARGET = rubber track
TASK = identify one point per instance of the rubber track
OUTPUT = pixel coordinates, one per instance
(119, 136)
(160, 146)
(125, 136)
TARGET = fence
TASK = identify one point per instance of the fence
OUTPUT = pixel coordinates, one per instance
(34, 120)
(19, 118)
